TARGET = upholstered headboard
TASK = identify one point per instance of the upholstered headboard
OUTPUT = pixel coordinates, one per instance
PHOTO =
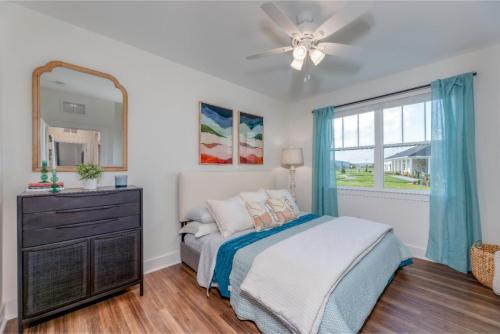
(196, 187)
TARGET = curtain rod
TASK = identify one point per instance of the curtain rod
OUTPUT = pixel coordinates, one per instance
(387, 95)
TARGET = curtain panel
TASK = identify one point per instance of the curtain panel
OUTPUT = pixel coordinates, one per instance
(454, 207)
(324, 181)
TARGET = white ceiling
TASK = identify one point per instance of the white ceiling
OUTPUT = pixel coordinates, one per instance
(215, 37)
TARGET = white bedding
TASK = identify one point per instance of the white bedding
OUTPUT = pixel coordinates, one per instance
(209, 245)
(208, 254)
(295, 277)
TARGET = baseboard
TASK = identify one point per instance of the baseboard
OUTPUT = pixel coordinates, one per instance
(8, 311)
(418, 252)
(162, 261)
(3, 320)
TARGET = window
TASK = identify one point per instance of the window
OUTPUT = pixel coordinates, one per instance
(355, 150)
(385, 145)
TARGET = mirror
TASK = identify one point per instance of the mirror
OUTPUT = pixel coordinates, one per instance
(79, 116)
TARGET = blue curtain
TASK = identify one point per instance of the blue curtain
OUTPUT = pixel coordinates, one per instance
(454, 207)
(324, 182)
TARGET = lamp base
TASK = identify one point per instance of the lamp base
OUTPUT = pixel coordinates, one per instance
(291, 184)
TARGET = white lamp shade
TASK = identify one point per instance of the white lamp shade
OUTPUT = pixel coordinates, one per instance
(297, 64)
(316, 56)
(292, 157)
(300, 52)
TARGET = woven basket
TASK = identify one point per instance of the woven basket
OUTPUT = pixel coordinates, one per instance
(483, 263)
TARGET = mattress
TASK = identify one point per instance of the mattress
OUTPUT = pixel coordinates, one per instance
(191, 248)
(194, 243)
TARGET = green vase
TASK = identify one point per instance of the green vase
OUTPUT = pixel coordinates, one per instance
(54, 179)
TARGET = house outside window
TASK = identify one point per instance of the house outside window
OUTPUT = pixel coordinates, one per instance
(384, 145)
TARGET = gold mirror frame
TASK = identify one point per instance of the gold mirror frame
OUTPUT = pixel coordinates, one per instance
(37, 73)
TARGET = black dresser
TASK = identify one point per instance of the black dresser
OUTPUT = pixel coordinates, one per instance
(76, 246)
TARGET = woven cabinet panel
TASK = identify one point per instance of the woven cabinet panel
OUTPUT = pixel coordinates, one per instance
(54, 277)
(115, 261)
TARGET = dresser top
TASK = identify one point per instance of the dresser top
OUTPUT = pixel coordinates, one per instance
(77, 191)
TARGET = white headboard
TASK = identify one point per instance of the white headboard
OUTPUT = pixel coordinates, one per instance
(196, 187)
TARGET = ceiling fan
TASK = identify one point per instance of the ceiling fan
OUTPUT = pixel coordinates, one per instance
(306, 36)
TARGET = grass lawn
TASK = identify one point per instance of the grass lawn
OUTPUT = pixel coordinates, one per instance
(355, 178)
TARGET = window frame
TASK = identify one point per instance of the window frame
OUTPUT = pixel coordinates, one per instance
(378, 107)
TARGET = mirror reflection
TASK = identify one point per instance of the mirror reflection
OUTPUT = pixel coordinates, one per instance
(81, 119)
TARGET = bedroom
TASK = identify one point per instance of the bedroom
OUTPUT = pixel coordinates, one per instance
(174, 56)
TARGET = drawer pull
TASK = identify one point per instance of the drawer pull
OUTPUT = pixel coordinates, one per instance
(76, 195)
(103, 221)
(87, 209)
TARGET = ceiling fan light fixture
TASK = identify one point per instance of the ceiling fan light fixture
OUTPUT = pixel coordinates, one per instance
(297, 64)
(316, 56)
(299, 52)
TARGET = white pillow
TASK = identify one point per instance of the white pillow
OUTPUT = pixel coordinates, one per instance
(230, 215)
(284, 195)
(200, 214)
(259, 196)
(199, 229)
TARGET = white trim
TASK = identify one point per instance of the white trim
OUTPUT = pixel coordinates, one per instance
(418, 252)
(408, 195)
(10, 310)
(162, 261)
(3, 321)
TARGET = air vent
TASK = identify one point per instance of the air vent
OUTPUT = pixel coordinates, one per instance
(74, 108)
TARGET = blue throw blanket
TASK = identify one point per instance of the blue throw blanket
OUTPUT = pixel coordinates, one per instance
(227, 251)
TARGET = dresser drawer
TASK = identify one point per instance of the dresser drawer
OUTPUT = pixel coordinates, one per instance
(47, 235)
(63, 201)
(46, 219)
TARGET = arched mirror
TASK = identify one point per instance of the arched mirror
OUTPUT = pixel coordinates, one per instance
(79, 116)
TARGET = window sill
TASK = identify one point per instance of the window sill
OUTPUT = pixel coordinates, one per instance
(397, 194)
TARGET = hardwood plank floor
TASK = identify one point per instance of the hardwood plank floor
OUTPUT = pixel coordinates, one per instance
(423, 298)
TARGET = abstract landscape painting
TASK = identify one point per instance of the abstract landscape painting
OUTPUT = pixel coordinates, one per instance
(251, 139)
(216, 135)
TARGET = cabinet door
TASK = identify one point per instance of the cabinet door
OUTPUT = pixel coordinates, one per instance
(115, 260)
(54, 276)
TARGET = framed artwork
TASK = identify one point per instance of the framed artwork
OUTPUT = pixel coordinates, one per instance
(251, 139)
(216, 135)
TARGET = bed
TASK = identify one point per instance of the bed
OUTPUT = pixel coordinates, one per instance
(219, 263)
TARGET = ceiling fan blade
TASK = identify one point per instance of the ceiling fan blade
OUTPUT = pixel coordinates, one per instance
(340, 20)
(271, 52)
(340, 50)
(278, 17)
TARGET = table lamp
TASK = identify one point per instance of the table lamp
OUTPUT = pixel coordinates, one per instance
(291, 158)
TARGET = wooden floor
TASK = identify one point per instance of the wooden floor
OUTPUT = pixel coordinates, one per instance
(423, 298)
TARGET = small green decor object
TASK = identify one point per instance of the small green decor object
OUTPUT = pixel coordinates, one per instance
(89, 171)
(44, 178)
(89, 175)
(53, 187)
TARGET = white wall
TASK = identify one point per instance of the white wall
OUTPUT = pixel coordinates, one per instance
(163, 121)
(409, 214)
(2, 102)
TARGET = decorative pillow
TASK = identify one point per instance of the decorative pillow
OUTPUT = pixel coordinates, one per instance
(281, 209)
(254, 196)
(284, 195)
(262, 215)
(199, 229)
(200, 214)
(230, 215)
